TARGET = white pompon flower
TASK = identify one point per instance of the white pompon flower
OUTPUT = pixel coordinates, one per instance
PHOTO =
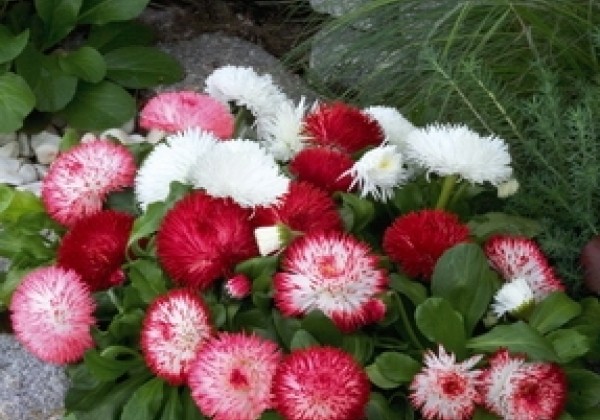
(508, 188)
(378, 172)
(513, 297)
(281, 133)
(241, 170)
(457, 150)
(170, 161)
(244, 87)
(395, 127)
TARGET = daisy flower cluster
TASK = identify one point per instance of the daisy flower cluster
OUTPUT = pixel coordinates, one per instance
(257, 257)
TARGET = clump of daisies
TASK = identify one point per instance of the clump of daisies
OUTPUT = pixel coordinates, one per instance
(258, 257)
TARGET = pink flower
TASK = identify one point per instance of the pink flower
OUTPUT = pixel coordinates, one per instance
(320, 383)
(417, 240)
(176, 326)
(445, 389)
(304, 208)
(80, 179)
(517, 390)
(177, 111)
(52, 312)
(95, 248)
(343, 127)
(325, 168)
(231, 377)
(238, 286)
(520, 257)
(332, 272)
(201, 238)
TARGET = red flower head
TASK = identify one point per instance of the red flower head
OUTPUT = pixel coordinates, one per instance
(177, 111)
(417, 240)
(232, 376)
(201, 238)
(343, 127)
(81, 178)
(303, 208)
(445, 389)
(52, 312)
(325, 168)
(95, 248)
(334, 273)
(320, 383)
(520, 257)
(176, 326)
(517, 390)
(238, 286)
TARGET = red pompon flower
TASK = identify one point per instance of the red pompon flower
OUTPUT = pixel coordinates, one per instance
(95, 247)
(334, 273)
(517, 390)
(320, 383)
(80, 179)
(325, 168)
(178, 111)
(175, 327)
(520, 257)
(343, 127)
(445, 389)
(238, 286)
(52, 312)
(304, 208)
(417, 240)
(201, 238)
(232, 376)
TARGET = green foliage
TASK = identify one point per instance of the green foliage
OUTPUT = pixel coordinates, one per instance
(76, 59)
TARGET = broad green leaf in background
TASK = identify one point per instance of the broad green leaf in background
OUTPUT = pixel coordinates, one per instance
(173, 408)
(441, 324)
(583, 390)
(16, 102)
(285, 327)
(554, 311)
(104, 11)
(146, 401)
(115, 35)
(377, 378)
(379, 408)
(463, 277)
(359, 345)
(415, 291)
(148, 278)
(481, 414)
(59, 17)
(11, 45)
(484, 225)
(322, 328)
(356, 212)
(86, 63)
(569, 344)
(140, 67)
(303, 339)
(517, 338)
(15, 203)
(110, 364)
(397, 367)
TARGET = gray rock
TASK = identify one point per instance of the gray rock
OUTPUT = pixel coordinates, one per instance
(336, 8)
(29, 388)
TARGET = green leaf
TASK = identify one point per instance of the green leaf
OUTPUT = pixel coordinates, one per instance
(99, 106)
(86, 63)
(148, 278)
(518, 338)
(126, 324)
(463, 277)
(569, 344)
(52, 87)
(481, 414)
(140, 67)
(554, 311)
(59, 17)
(379, 379)
(173, 409)
(441, 324)
(356, 212)
(258, 267)
(11, 45)
(16, 102)
(99, 12)
(10, 283)
(15, 203)
(322, 328)
(583, 390)
(397, 367)
(190, 409)
(285, 327)
(359, 345)
(485, 225)
(302, 339)
(146, 402)
(379, 408)
(115, 35)
(415, 291)
(110, 364)
(271, 415)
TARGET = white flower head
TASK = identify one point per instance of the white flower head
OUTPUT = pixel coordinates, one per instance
(508, 188)
(513, 297)
(170, 161)
(281, 133)
(395, 127)
(241, 170)
(244, 87)
(379, 171)
(457, 150)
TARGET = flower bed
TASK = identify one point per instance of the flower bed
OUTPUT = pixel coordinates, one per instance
(263, 259)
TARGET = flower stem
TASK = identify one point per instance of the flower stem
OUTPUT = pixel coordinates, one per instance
(447, 187)
(406, 324)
